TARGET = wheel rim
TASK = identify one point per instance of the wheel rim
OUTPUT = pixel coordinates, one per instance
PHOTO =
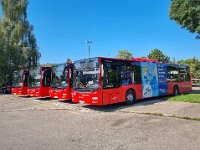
(130, 97)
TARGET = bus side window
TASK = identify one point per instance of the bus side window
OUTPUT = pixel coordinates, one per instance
(111, 77)
(187, 76)
(127, 75)
(136, 74)
(173, 74)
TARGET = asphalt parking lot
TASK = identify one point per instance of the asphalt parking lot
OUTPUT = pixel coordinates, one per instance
(32, 123)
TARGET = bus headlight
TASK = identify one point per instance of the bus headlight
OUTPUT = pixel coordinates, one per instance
(95, 98)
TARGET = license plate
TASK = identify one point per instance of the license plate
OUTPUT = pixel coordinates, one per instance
(55, 96)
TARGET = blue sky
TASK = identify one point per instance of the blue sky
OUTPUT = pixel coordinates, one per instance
(62, 27)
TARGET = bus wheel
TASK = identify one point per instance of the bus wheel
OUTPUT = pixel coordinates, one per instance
(130, 97)
(176, 90)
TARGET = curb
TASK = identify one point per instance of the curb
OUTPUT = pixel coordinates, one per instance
(162, 115)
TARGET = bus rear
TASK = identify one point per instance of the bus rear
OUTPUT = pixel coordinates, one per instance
(61, 81)
(40, 81)
(20, 82)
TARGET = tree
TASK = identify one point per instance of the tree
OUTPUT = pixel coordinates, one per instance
(187, 14)
(18, 44)
(158, 54)
(69, 60)
(49, 64)
(194, 64)
(124, 54)
(173, 61)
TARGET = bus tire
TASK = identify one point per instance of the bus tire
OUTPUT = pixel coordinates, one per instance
(176, 91)
(130, 97)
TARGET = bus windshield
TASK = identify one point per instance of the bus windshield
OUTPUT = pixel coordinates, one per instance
(60, 77)
(17, 79)
(86, 74)
(34, 78)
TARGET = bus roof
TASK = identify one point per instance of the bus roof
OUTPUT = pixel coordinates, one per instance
(132, 59)
(141, 60)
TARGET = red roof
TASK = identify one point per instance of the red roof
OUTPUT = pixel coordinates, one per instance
(144, 60)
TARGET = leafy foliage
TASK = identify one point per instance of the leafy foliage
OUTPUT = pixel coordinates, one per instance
(187, 14)
(194, 66)
(158, 54)
(18, 46)
(69, 60)
(124, 54)
(48, 64)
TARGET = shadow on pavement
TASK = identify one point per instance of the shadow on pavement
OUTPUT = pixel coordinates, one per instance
(142, 102)
(67, 101)
(45, 99)
(118, 106)
(26, 96)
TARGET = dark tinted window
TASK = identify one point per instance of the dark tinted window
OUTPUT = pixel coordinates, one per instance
(184, 74)
(172, 73)
(46, 80)
(178, 74)
(26, 74)
(130, 73)
(120, 72)
(137, 72)
(112, 73)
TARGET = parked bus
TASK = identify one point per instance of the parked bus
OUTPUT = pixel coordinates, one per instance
(20, 82)
(61, 81)
(103, 81)
(40, 81)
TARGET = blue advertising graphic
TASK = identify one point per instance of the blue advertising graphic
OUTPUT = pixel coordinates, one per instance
(162, 79)
(149, 79)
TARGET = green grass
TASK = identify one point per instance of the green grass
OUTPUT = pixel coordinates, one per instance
(191, 98)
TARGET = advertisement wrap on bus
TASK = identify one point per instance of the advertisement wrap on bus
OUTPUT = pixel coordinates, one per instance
(61, 86)
(39, 81)
(20, 82)
(103, 81)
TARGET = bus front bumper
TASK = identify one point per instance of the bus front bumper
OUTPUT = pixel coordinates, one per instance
(92, 98)
(64, 94)
(34, 92)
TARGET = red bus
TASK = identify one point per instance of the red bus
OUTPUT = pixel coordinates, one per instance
(39, 81)
(103, 81)
(20, 82)
(61, 81)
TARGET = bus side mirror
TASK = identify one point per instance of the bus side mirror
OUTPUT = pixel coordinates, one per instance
(102, 71)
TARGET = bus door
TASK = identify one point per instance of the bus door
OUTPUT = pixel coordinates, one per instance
(111, 82)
